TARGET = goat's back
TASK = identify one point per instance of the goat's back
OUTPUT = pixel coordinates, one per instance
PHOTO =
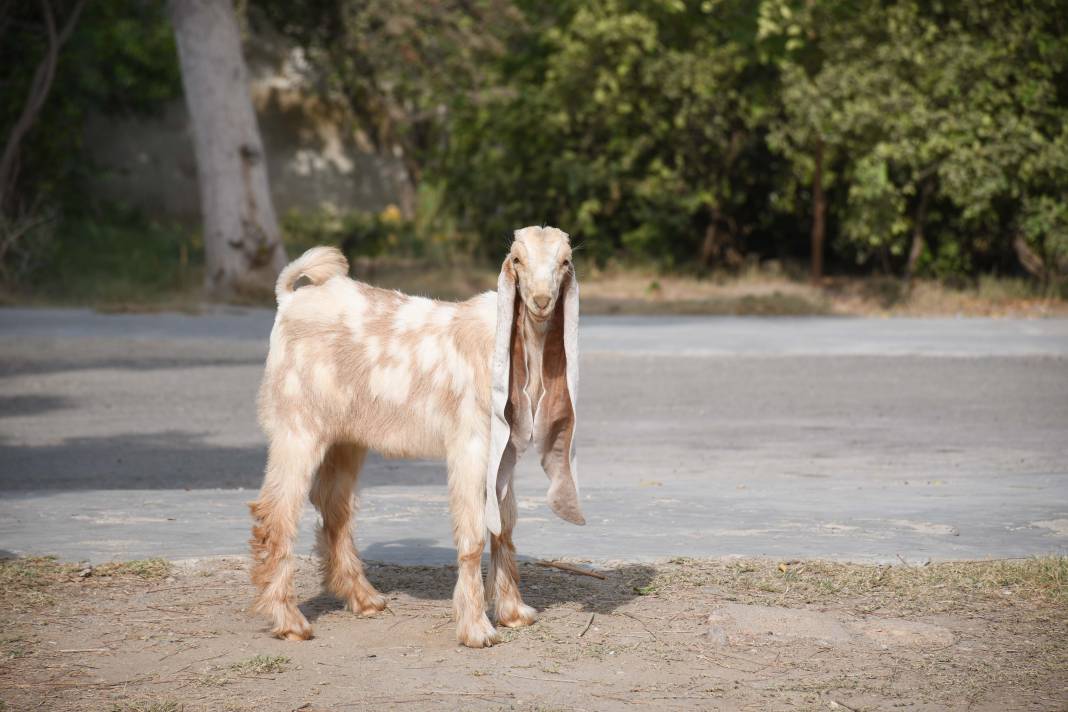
(399, 374)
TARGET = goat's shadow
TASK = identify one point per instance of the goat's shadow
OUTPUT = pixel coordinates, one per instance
(540, 586)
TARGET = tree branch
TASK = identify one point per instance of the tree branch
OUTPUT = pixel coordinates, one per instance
(39, 89)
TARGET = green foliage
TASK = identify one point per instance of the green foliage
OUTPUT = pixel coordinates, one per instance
(637, 125)
(945, 120)
(681, 132)
(1044, 224)
(27, 240)
(396, 63)
(139, 258)
(120, 59)
(355, 232)
(430, 235)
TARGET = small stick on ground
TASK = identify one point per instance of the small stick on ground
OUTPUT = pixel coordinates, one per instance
(545, 679)
(588, 624)
(570, 569)
(195, 662)
(647, 629)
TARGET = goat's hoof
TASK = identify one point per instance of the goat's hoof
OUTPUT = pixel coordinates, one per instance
(517, 616)
(292, 629)
(477, 633)
(368, 605)
(296, 635)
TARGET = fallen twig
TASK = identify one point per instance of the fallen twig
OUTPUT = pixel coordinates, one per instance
(570, 568)
(588, 624)
(647, 629)
(546, 679)
(196, 586)
(202, 660)
(178, 651)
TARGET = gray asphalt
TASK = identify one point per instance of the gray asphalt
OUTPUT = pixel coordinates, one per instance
(129, 436)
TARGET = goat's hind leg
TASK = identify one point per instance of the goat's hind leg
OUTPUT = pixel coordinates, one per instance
(503, 578)
(291, 462)
(334, 495)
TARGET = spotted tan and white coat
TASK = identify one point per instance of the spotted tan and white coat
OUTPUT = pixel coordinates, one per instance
(353, 368)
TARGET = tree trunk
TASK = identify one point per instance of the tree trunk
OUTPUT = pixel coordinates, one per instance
(710, 245)
(1031, 260)
(819, 212)
(719, 245)
(916, 248)
(242, 243)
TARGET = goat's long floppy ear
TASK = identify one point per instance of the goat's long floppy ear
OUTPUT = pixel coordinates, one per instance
(511, 420)
(555, 419)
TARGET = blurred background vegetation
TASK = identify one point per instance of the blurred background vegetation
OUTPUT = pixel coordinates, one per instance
(892, 141)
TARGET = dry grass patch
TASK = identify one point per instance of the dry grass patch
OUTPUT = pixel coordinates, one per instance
(261, 665)
(148, 706)
(25, 582)
(256, 666)
(141, 568)
(934, 588)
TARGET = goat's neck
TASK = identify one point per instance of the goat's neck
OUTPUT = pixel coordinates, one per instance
(534, 337)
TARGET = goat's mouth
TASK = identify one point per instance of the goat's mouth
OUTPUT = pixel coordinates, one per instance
(539, 315)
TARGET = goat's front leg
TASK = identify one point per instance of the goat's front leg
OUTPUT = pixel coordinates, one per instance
(467, 498)
(503, 578)
(291, 461)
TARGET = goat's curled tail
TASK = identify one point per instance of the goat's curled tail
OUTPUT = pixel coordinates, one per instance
(317, 264)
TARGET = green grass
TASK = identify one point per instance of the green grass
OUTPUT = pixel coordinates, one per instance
(141, 568)
(24, 582)
(13, 646)
(256, 665)
(148, 706)
(30, 572)
(261, 665)
(1007, 289)
(114, 256)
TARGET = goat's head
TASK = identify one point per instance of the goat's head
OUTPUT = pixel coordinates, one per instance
(538, 269)
(539, 261)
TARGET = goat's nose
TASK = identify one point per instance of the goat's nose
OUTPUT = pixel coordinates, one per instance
(542, 300)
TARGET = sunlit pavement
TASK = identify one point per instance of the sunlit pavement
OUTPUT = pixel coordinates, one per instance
(133, 436)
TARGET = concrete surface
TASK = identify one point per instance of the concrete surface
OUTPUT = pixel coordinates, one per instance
(866, 440)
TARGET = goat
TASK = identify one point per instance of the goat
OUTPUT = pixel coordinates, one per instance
(353, 368)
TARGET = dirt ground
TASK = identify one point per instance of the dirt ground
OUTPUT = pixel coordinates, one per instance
(683, 634)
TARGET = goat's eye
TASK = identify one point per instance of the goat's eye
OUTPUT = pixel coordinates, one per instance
(516, 261)
(565, 263)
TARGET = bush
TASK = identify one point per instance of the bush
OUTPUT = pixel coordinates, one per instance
(115, 254)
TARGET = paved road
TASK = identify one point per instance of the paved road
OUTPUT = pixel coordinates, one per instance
(134, 435)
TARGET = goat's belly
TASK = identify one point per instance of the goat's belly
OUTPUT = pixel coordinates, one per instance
(400, 435)
(410, 450)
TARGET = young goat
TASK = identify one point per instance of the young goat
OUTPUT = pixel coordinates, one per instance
(353, 368)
